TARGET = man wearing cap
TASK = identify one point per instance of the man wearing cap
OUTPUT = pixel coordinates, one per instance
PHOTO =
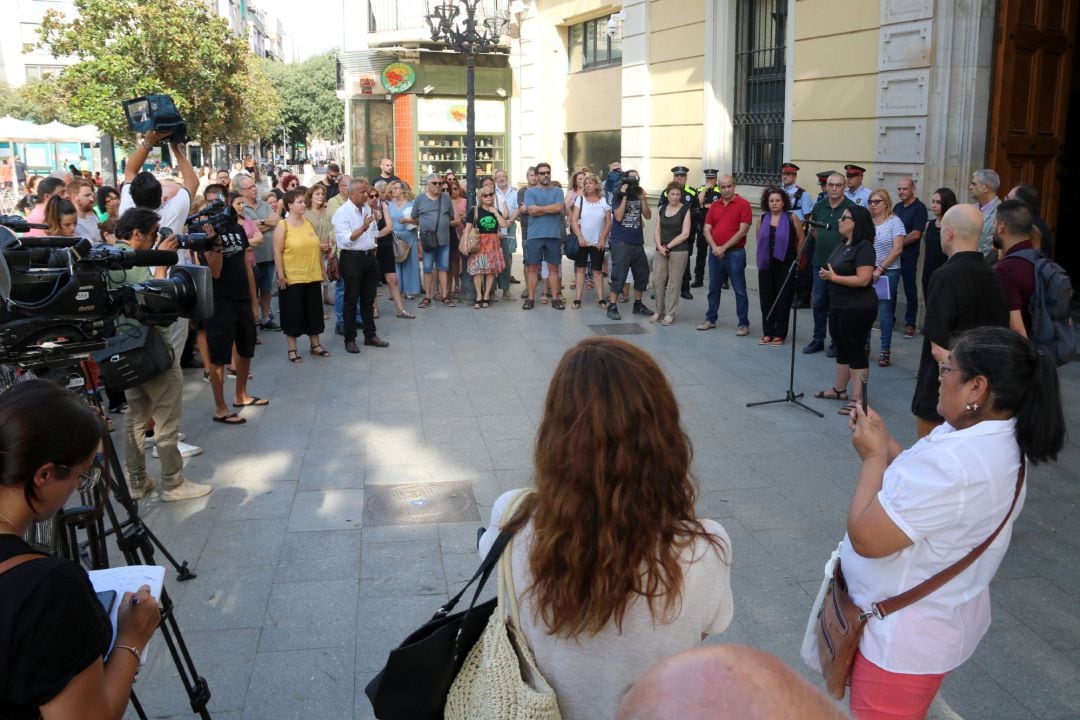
(801, 202)
(822, 179)
(689, 198)
(706, 196)
(855, 192)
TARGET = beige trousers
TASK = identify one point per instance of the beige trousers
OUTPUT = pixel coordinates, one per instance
(667, 281)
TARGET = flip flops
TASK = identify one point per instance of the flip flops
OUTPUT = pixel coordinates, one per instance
(230, 419)
(255, 402)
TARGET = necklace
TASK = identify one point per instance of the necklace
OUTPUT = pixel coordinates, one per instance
(6, 519)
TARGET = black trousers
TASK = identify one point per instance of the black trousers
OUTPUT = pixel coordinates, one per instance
(702, 257)
(695, 235)
(770, 280)
(361, 273)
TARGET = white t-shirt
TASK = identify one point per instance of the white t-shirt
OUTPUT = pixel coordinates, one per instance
(508, 202)
(884, 235)
(591, 222)
(947, 493)
(590, 674)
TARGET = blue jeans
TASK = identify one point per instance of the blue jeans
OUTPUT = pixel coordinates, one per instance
(732, 266)
(440, 257)
(339, 302)
(887, 310)
(820, 302)
(909, 263)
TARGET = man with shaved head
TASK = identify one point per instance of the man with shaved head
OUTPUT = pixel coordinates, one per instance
(714, 682)
(964, 293)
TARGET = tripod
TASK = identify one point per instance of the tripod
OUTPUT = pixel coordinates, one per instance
(792, 277)
(134, 539)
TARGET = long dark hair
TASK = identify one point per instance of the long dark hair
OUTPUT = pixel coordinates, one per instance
(948, 199)
(1022, 382)
(614, 505)
(41, 422)
(864, 225)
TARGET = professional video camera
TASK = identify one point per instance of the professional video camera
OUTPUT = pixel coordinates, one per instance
(212, 214)
(54, 293)
(156, 112)
(618, 178)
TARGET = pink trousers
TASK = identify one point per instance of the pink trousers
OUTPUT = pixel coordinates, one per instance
(878, 694)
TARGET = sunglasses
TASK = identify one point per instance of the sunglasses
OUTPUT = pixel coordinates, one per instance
(372, 196)
(487, 194)
(845, 217)
(543, 172)
(878, 201)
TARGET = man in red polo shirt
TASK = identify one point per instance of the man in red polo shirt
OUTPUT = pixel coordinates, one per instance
(726, 225)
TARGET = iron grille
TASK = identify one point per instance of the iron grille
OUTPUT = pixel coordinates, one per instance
(760, 74)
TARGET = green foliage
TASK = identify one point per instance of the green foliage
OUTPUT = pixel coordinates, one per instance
(21, 104)
(309, 103)
(128, 48)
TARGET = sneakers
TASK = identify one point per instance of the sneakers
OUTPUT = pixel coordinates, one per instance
(814, 346)
(640, 309)
(269, 325)
(613, 312)
(909, 332)
(706, 325)
(831, 352)
(185, 491)
(138, 492)
(742, 331)
(185, 450)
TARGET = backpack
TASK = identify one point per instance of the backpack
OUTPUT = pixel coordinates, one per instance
(1051, 326)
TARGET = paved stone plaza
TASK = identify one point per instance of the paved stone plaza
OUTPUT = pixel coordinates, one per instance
(298, 601)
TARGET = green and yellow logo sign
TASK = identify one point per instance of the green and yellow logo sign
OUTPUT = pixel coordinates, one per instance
(398, 77)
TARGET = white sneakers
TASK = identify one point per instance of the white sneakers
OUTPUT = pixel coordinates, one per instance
(185, 491)
(141, 491)
(185, 449)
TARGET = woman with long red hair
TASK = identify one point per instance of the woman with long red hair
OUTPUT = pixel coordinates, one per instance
(612, 569)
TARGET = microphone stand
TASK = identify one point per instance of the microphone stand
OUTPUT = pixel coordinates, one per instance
(792, 277)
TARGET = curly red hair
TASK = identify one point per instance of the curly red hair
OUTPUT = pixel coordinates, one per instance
(614, 505)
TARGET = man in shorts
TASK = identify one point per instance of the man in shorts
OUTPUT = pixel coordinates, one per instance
(544, 206)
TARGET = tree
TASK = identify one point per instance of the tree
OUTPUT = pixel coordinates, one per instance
(130, 48)
(309, 103)
(22, 104)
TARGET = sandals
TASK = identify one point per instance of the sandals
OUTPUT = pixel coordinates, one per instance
(449, 302)
(485, 304)
(544, 299)
(838, 394)
(765, 340)
(405, 315)
(528, 304)
(848, 409)
(230, 419)
(884, 359)
(254, 402)
(294, 357)
(602, 304)
(319, 351)
(425, 303)
(477, 305)
(777, 341)
(576, 304)
(558, 304)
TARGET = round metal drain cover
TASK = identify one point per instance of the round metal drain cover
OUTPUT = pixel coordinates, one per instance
(419, 503)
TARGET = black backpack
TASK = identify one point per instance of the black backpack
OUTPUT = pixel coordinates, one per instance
(1051, 326)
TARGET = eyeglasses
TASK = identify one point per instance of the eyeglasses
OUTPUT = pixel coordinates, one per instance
(878, 201)
(943, 369)
(834, 184)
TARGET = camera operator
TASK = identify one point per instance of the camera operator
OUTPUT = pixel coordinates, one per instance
(160, 398)
(629, 211)
(55, 633)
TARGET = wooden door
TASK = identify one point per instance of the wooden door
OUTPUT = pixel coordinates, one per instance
(1029, 110)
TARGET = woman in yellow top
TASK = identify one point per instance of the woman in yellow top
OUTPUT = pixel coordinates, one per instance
(298, 258)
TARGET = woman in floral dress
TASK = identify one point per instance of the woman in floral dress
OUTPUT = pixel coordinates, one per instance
(487, 262)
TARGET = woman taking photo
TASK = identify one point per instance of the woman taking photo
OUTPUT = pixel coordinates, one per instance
(384, 250)
(670, 234)
(852, 303)
(56, 633)
(399, 206)
(612, 568)
(917, 512)
(933, 256)
(486, 263)
(590, 220)
(298, 259)
(779, 239)
(889, 236)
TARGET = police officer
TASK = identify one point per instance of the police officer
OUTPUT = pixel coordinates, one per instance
(855, 191)
(689, 198)
(708, 193)
(822, 178)
(801, 202)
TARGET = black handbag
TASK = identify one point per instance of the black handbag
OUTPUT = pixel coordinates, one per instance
(133, 357)
(418, 674)
(429, 239)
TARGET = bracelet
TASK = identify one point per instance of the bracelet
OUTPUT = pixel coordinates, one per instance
(133, 651)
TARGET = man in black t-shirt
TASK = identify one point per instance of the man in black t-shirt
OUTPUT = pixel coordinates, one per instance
(233, 321)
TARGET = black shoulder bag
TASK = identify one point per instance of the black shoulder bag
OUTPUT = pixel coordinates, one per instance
(418, 674)
(429, 239)
(131, 359)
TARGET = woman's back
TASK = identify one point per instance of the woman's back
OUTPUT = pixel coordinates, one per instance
(590, 673)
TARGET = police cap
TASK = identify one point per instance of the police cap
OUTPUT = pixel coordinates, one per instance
(680, 170)
(853, 170)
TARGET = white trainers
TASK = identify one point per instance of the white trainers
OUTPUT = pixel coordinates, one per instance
(138, 492)
(152, 439)
(185, 450)
(185, 491)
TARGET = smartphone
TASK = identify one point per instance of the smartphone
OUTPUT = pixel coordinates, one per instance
(107, 598)
(865, 396)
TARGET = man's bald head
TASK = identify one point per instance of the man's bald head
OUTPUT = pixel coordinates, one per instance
(713, 682)
(960, 229)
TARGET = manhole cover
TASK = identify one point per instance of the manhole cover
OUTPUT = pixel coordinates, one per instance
(419, 503)
(618, 329)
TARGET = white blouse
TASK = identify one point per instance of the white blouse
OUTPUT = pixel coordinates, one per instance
(947, 493)
(884, 236)
(591, 673)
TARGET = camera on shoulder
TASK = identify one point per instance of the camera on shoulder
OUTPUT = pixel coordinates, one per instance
(156, 112)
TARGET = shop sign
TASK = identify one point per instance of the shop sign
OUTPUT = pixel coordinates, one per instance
(435, 115)
(366, 85)
(398, 77)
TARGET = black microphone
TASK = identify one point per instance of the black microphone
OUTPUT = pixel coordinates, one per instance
(815, 223)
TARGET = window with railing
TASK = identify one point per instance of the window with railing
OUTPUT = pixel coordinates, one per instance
(590, 44)
(760, 76)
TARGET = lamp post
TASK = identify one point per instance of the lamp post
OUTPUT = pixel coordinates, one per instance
(468, 34)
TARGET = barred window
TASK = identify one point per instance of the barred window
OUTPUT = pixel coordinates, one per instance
(760, 70)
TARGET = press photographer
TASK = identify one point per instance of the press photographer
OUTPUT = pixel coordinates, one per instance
(630, 209)
(54, 633)
(160, 398)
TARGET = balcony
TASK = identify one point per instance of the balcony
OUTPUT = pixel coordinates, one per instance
(394, 21)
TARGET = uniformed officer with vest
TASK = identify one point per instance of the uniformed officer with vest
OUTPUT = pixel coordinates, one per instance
(856, 192)
(822, 179)
(689, 198)
(706, 195)
(801, 202)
